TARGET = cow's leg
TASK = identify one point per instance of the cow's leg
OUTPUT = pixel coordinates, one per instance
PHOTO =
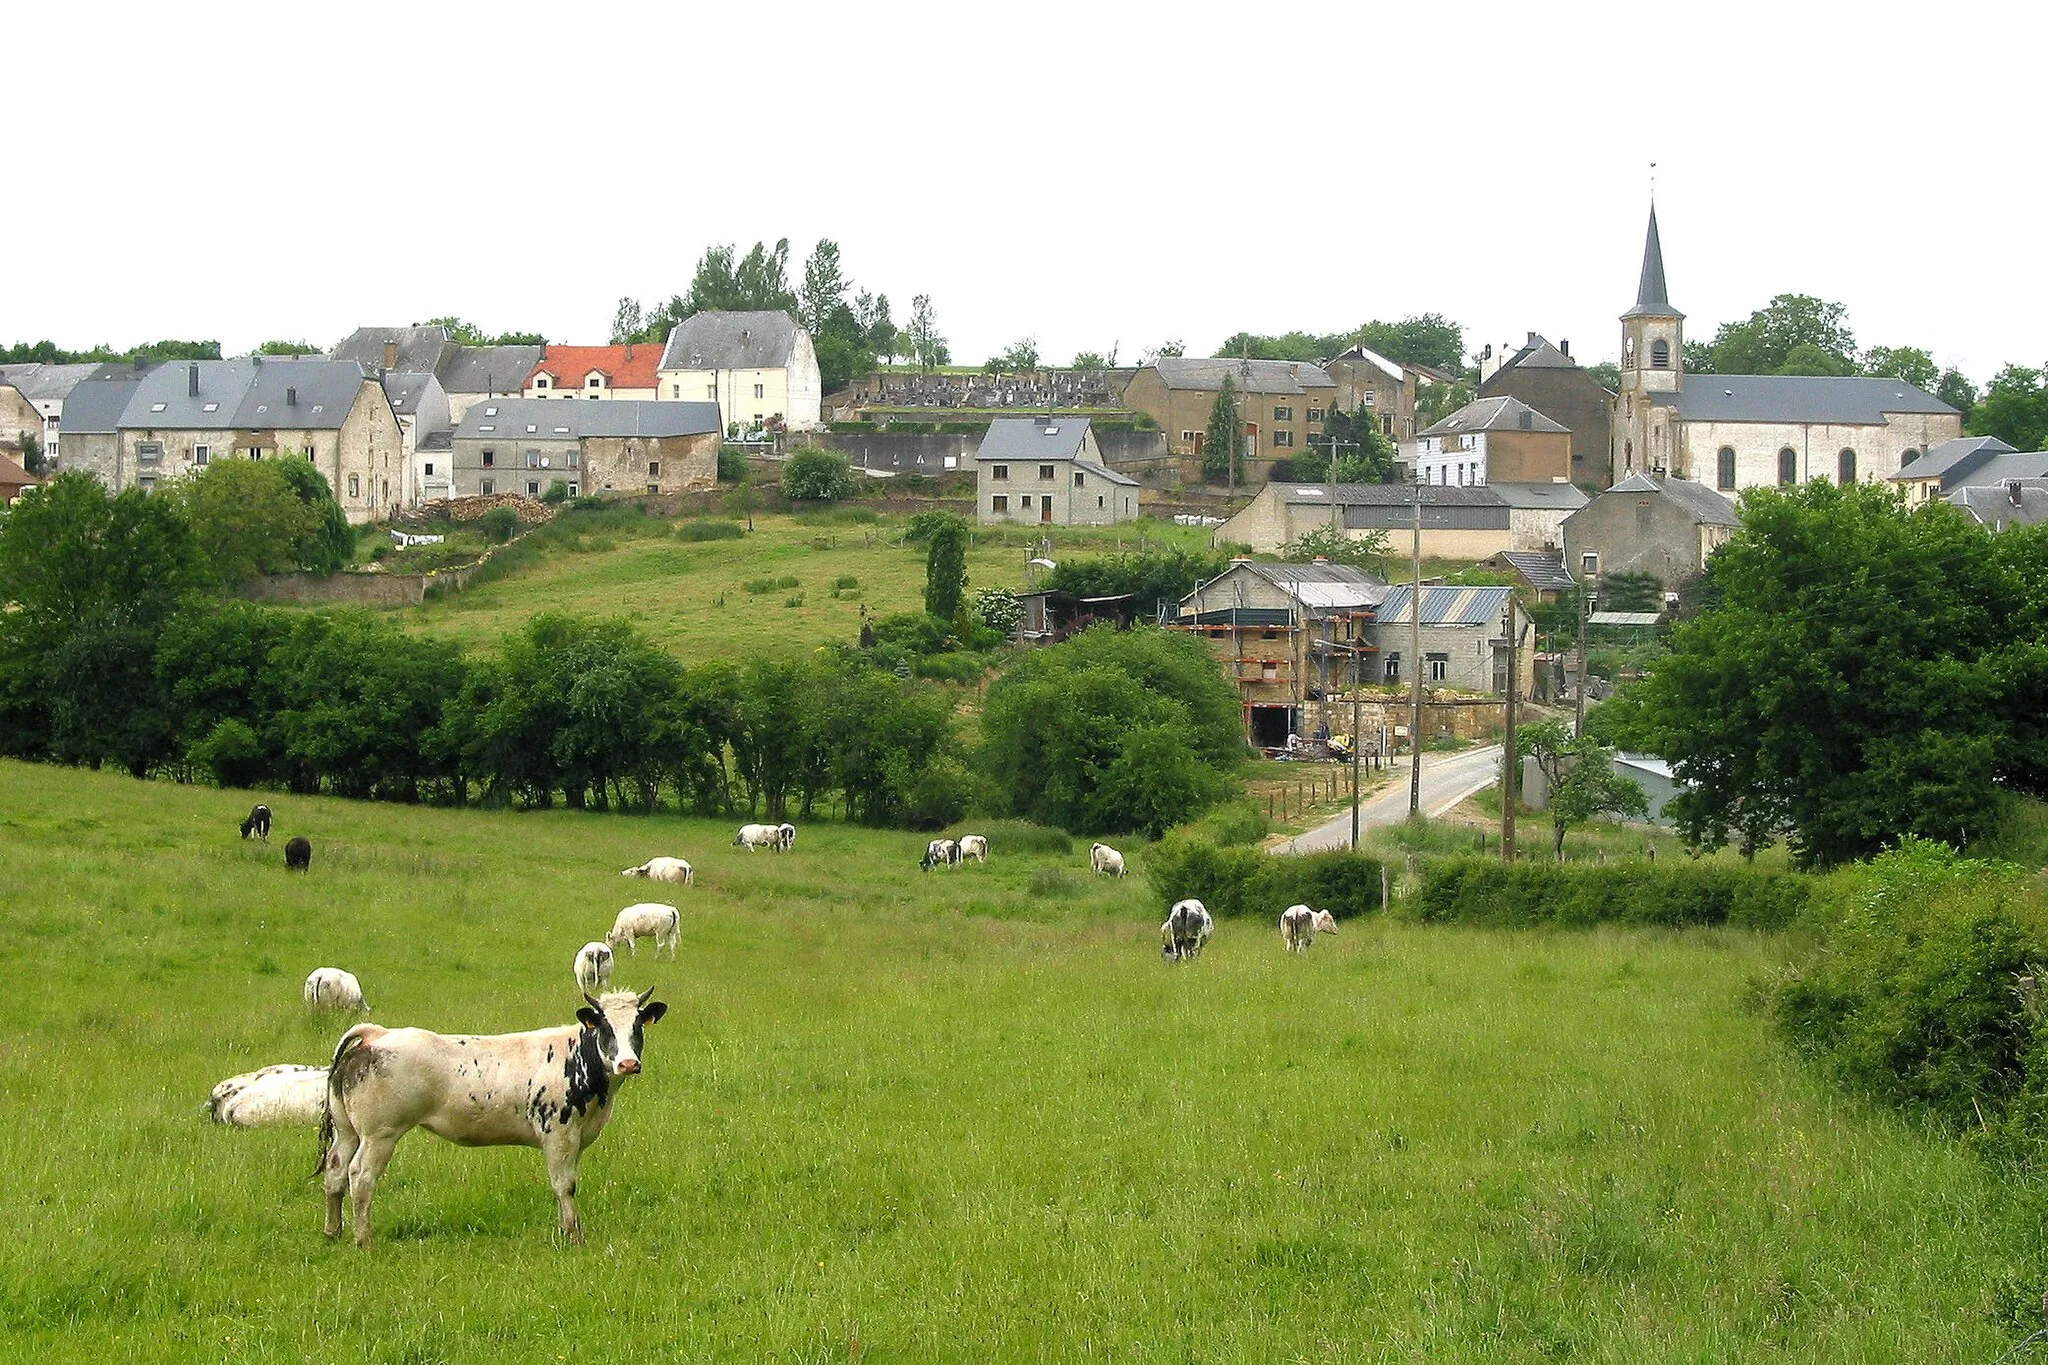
(562, 1154)
(334, 1169)
(373, 1154)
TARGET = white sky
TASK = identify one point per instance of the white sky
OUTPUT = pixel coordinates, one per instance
(1091, 174)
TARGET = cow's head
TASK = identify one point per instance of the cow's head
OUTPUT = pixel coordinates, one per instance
(616, 1021)
(634, 872)
(1326, 923)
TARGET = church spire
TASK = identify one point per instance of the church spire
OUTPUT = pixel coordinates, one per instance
(1651, 299)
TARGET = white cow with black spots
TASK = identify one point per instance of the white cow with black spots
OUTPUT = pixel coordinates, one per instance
(331, 988)
(1187, 928)
(973, 846)
(594, 967)
(281, 1094)
(1299, 926)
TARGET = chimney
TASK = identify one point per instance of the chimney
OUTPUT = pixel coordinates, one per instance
(629, 350)
(1526, 420)
(390, 355)
(291, 397)
(140, 364)
(1565, 348)
(2012, 491)
(1531, 341)
(192, 379)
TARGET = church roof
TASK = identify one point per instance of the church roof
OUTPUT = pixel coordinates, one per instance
(1847, 400)
(1651, 299)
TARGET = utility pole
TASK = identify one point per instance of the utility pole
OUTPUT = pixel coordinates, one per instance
(1579, 721)
(1415, 667)
(1356, 744)
(1509, 788)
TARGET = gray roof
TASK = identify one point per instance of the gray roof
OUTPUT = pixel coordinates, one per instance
(1961, 455)
(1247, 376)
(1708, 507)
(1565, 496)
(1538, 354)
(568, 419)
(1319, 585)
(1389, 495)
(1624, 618)
(1447, 606)
(1505, 413)
(1544, 569)
(731, 341)
(1652, 301)
(47, 383)
(1033, 438)
(405, 388)
(1391, 368)
(1998, 469)
(2013, 503)
(1849, 400)
(1101, 472)
(425, 348)
(489, 369)
(435, 440)
(94, 407)
(244, 394)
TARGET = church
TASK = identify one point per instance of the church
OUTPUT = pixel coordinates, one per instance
(1732, 432)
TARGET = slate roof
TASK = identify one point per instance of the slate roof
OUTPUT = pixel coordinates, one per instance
(95, 406)
(623, 367)
(1994, 505)
(1848, 400)
(1708, 507)
(1652, 300)
(732, 341)
(557, 419)
(1263, 376)
(2019, 464)
(1962, 454)
(1103, 472)
(1032, 438)
(1539, 354)
(405, 389)
(425, 348)
(247, 393)
(489, 369)
(1446, 606)
(1543, 569)
(1391, 368)
(1494, 414)
(1535, 496)
(47, 383)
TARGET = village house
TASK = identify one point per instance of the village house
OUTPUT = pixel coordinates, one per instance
(1967, 462)
(759, 367)
(1049, 471)
(467, 374)
(20, 423)
(143, 432)
(1367, 379)
(1457, 523)
(524, 445)
(1550, 381)
(424, 426)
(14, 480)
(1656, 524)
(1541, 572)
(1749, 431)
(43, 389)
(601, 372)
(2001, 506)
(1280, 404)
(1494, 440)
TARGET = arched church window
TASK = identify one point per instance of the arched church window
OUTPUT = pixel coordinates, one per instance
(1788, 467)
(1845, 467)
(1724, 474)
(1660, 354)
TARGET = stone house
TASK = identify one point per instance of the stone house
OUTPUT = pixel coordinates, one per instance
(1280, 404)
(468, 374)
(1457, 523)
(602, 372)
(758, 367)
(182, 416)
(1542, 573)
(1748, 431)
(1049, 471)
(421, 406)
(1550, 381)
(523, 445)
(1367, 379)
(1536, 511)
(43, 388)
(1494, 440)
(1656, 524)
(20, 422)
(2001, 506)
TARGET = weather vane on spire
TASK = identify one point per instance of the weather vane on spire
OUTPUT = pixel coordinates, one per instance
(1653, 180)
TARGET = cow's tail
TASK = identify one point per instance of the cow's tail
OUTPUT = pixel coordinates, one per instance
(350, 1041)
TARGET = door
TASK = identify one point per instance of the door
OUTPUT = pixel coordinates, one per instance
(1045, 509)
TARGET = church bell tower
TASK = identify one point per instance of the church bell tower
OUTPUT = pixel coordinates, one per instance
(1652, 362)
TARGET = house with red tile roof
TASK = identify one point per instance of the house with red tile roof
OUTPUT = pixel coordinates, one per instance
(630, 371)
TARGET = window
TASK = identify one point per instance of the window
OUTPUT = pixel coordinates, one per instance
(147, 483)
(490, 458)
(593, 395)
(1187, 438)
(1439, 666)
(540, 382)
(711, 390)
(675, 390)
(1845, 467)
(149, 451)
(1788, 467)
(355, 487)
(1269, 670)
(1025, 500)
(1724, 472)
(533, 488)
(574, 488)
(1394, 666)
(760, 390)
(999, 471)
(533, 459)
(654, 488)
(1099, 501)
(596, 381)
(654, 469)
(489, 487)
(1283, 414)
(1283, 440)
(1660, 354)
(1000, 503)
(1589, 565)
(1045, 473)
(201, 454)
(573, 460)
(1315, 414)
(1386, 424)
(430, 469)
(1077, 478)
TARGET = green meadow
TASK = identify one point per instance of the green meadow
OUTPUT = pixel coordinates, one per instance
(959, 1116)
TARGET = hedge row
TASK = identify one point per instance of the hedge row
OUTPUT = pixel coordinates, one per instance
(1485, 891)
(1249, 882)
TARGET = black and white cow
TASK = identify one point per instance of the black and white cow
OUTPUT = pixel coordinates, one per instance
(785, 838)
(298, 854)
(283, 1094)
(257, 824)
(1299, 926)
(752, 837)
(552, 1088)
(1187, 928)
(939, 852)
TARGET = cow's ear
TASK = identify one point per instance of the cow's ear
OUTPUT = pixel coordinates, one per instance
(588, 1017)
(652, 1014)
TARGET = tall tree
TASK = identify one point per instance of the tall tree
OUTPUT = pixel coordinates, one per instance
(1956, 391)
(246, 517)
(1763, 342)
(1220, 453)
(1909, 363)
(873, 312)
(629, 320)
(824, 286)
(945, 568)
(2014, 409)
(1419, 339)
(927, 346)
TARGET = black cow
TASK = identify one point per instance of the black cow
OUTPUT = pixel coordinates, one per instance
(257, 824)
(298, 854)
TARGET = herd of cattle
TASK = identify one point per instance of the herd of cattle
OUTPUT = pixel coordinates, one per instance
(550, 1088)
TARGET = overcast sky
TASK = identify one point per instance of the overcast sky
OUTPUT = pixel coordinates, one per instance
(1090, 174)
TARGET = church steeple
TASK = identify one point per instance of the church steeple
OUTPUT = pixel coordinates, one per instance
(1651, 299)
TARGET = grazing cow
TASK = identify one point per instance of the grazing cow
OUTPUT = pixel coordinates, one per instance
(785, 838)
(752, 837)
(1299, 926)
(1105, 859)
(973, 846)
(298, 854)
(594, 967)
(649, 919)
(552, 1089)
(257, 824)
(331, 988)
(663, 870)
(938, 851)
(1187, 928)
(285, 1093)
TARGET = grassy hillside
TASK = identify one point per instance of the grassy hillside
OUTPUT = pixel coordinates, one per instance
(959, 1116)
(692, 598)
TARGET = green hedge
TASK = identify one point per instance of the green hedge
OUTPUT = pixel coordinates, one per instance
(1248, 882)
(1486, 891)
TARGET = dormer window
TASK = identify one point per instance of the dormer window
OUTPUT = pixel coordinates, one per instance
(595, 381)
(539, 382)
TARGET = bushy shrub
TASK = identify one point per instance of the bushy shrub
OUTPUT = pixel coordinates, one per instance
(999, 610)
(732, 464)
(707, 528)
(916, 631)
(558, 492)
(1233, 823)
(1485, 891)
(1235, 882)
(1018, 836)
(950, 666)
(232, 754)
(938, 794)
(817, 475)
(499, 524)
(844, 581)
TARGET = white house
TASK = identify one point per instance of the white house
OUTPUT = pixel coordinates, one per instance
(421, 406)
(756, 366)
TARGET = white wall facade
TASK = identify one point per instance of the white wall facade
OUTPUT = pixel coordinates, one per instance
(1456, 461)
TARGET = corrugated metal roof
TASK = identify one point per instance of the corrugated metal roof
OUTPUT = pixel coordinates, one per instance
(1446, 606)
(1624, 618)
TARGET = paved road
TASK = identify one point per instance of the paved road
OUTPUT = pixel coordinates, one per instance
(1447, 779)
